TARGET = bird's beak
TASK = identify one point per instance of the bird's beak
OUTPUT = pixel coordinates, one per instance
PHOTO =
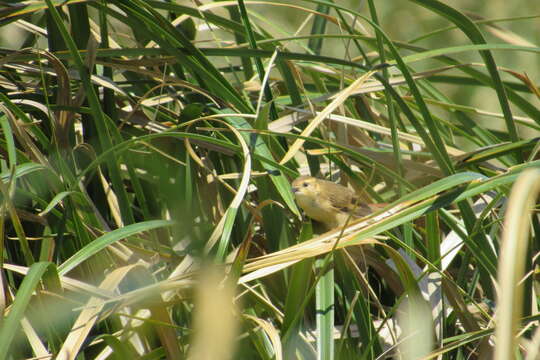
(295, 190)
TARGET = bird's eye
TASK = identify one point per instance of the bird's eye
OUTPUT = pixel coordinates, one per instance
(306, 184)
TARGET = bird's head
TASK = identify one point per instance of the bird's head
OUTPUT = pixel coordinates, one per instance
(305, 186)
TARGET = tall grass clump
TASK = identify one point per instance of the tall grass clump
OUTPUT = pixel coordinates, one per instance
(147, 150)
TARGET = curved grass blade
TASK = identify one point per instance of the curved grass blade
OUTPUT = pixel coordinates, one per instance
(11, 323)
(515, 238)
(471, 30)
(103, 241)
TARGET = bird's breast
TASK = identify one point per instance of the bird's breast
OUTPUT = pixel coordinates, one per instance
(318, 209)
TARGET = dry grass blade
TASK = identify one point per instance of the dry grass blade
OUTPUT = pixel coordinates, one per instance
(112, 199)
(272, 333)
(39, 349)
(515, 238)
(338, 101)
(89, 315)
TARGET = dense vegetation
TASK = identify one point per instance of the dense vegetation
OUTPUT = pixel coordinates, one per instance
(147, 149)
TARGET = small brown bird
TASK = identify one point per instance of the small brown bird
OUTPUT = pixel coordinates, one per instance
(329, 203)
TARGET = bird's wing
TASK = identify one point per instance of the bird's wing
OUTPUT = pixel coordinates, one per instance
(345, 200)
(361, 209)
(341, 197)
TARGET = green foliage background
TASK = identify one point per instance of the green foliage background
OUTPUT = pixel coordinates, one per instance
(147, 149)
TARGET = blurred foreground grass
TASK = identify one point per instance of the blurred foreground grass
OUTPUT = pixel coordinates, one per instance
(147, 149)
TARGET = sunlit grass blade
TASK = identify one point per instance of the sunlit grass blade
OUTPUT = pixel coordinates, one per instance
(102, 242)
(512, 261)
(11, 323)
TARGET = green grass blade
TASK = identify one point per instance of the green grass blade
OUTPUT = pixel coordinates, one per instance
(11, 323)
(103, 241)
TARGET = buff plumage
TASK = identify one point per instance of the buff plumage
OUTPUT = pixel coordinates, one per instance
(326, 202)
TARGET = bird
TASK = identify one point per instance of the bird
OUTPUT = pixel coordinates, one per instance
(329, 203)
